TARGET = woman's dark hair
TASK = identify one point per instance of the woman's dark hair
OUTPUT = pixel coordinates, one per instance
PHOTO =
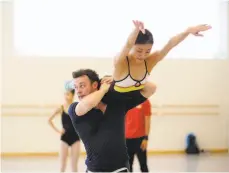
(72, 91)
(91, 74)
(146, 38)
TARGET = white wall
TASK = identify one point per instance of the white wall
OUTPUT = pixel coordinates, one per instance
(1, 34)
(39, 81)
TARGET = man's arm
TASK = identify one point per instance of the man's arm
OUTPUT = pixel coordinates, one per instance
(147, 112)
(146, 109)
(91, 100)
(147, 125)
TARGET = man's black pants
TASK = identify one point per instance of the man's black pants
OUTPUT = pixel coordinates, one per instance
(134, 147)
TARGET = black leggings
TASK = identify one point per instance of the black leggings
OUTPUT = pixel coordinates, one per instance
(134, 147)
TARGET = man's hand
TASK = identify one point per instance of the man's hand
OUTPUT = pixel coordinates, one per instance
(107, 79)
(92, 100)
(144, 144)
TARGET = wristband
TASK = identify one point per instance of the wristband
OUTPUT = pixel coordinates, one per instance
(146, 137)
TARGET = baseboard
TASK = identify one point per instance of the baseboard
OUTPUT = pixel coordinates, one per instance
(28, 154)
(213, 151)
(55, 154)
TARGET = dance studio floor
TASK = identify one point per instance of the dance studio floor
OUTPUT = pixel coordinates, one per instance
(162, 163)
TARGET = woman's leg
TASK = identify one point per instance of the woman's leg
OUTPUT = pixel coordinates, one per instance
(75, 152)
(63, 156)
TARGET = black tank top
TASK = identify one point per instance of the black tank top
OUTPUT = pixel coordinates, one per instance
(66, 122)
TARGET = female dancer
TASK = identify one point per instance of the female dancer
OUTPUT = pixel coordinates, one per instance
(135, 62)
(69, 138)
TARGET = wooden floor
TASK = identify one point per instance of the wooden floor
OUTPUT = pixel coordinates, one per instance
(172, 163)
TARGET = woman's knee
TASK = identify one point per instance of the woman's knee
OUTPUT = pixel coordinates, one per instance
(149, 89)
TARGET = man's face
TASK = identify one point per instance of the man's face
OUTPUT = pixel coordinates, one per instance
(84, 87)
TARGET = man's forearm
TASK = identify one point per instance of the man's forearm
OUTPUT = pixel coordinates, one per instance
(89, 102)
(147, 125)
(93, 99)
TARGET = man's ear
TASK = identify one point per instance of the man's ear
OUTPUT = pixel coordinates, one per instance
(95, 85)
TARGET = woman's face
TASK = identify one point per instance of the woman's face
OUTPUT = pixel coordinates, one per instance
(141, 51)
(68, 96)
